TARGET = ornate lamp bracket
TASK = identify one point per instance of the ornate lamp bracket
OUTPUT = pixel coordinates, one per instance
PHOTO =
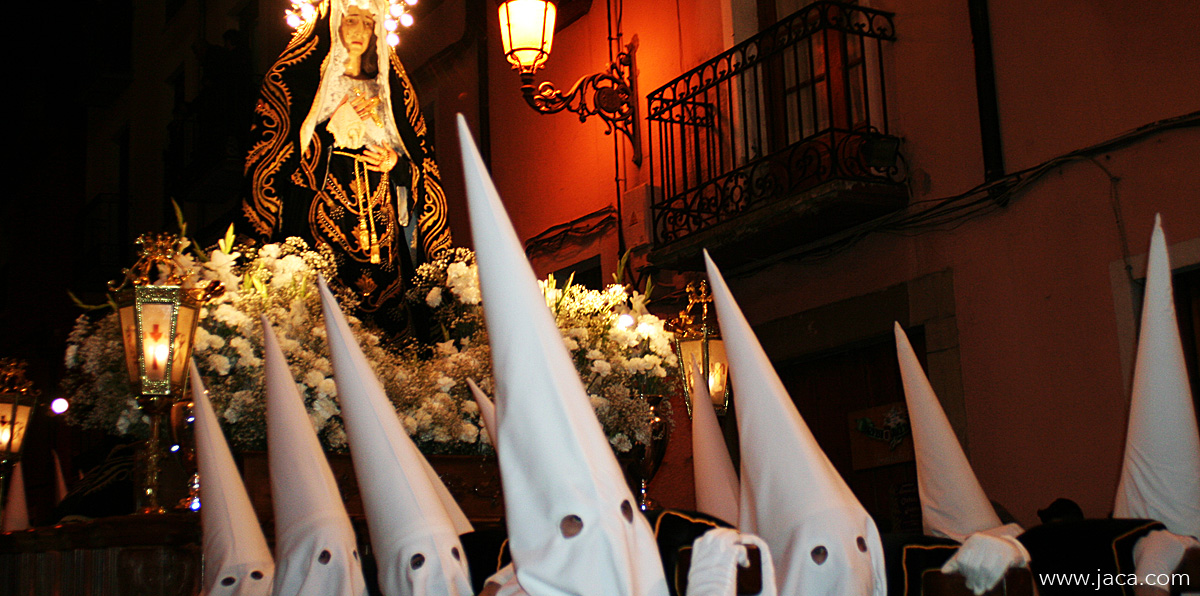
(609, 94)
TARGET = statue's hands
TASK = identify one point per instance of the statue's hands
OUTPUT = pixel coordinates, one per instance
(380, 158)
(363, 106)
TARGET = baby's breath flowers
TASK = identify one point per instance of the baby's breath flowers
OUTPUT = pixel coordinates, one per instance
(622, 352)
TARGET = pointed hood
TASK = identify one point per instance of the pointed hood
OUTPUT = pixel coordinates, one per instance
(716, 481)
(414, 534)
(16, 510)
(953, 504)
(237, 561)
(60, 481)
(572, 521)
(1160, 476)
(315, 547)
(487, 410)
(792, 495)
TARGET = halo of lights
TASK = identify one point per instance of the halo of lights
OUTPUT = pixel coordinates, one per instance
(59, 405)
(303, 12)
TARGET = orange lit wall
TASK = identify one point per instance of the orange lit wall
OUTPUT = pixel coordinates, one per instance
(1044, 334)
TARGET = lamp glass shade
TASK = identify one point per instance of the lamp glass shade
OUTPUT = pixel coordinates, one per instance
(527, 32)
(14, 418)
(158, 324)
(129, 338)
(707, 354)
(155, 333)
(185, 332)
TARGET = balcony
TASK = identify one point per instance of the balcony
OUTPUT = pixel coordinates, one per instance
(776, 142)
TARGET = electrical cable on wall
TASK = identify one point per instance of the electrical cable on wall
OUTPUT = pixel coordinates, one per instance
(948, 213)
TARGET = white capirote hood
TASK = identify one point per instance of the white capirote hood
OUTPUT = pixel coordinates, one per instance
(414, 522)
(573, 525)
(315, 546)
(822, 540)
(237, 561)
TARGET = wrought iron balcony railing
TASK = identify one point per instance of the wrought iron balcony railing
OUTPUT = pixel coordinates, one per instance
(798, 105)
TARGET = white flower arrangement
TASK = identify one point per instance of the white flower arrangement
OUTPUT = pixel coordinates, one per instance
(622, 352)
(621, 359)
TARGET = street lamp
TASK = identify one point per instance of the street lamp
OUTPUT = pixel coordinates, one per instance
(527, 34)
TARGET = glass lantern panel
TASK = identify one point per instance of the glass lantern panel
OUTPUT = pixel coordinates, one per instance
(185, 330)
(13, 420)
(692, 354)
(129, 337)
(718, 372)
(156, 339)
(527, 26)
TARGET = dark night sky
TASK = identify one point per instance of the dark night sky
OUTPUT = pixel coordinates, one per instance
(38, 226)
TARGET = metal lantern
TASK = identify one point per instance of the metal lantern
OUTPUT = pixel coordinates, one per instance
(698, 343)
(158, 322)
(527, 31)
(157, 326)
(17, 402)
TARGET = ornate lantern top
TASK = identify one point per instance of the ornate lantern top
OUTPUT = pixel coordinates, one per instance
(160, 256)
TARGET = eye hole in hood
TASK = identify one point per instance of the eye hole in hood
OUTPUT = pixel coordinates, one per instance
(627, 511)
(819, 554)
(571, 526)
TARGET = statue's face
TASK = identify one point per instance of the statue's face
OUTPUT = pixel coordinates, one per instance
(356, 29)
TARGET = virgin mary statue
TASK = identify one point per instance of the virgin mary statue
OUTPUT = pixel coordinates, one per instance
(340, 157)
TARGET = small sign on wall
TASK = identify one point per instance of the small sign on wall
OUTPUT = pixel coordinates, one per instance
(880, 436)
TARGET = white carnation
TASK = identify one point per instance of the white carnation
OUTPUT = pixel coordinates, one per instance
(621, 442)
(434, 298)
(327, 387)
(468, 433)
(601, 367)
(219, 364)
(313, 378)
